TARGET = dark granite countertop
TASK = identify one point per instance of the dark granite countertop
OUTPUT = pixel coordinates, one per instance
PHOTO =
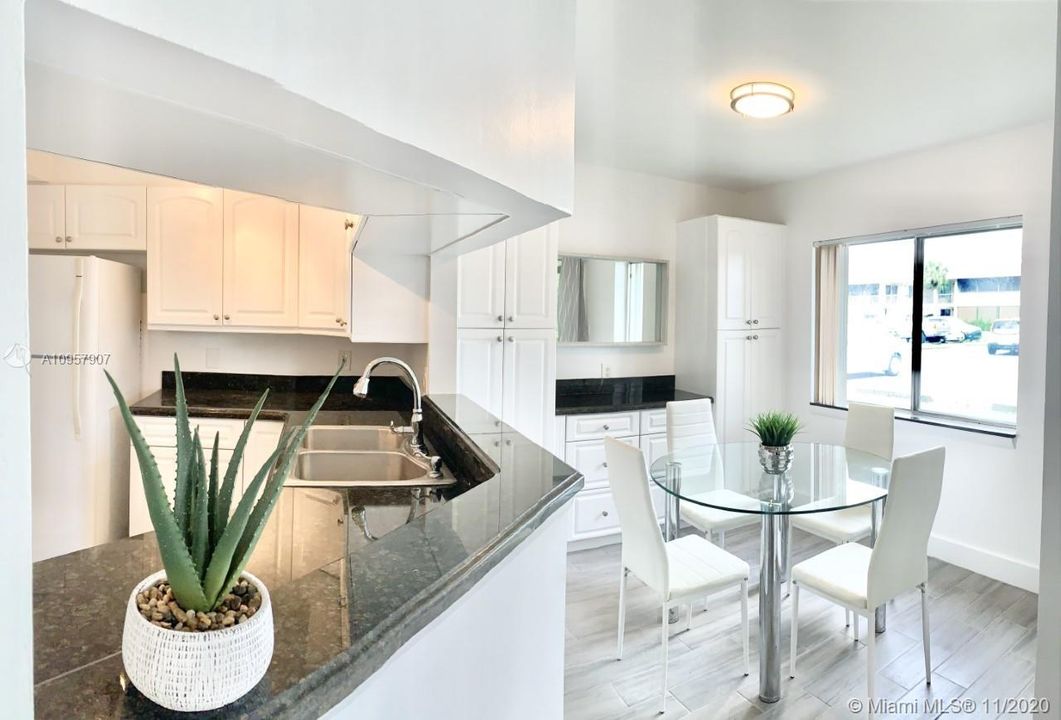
(343, 603)
(604, 395)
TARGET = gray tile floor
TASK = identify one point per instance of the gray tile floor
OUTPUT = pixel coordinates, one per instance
(983, 647)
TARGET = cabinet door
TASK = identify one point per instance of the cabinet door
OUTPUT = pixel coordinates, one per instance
(733, 262)
(588, 458)
(479, 367)
(46, 207)
(529, 384)
(261, 261)
(481, 288)
(655, 447)
(763, 382)
(765, 274)
(731, 387)
(324, 238)
(530, 279)
(184, 256)
(106, 217)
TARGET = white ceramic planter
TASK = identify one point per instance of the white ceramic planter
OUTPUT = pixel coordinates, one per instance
(190, 671)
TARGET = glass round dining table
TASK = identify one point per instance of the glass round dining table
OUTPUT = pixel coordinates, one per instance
(729, 477)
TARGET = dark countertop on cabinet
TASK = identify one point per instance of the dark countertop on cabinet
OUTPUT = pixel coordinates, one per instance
(606, 395)
(342, 604)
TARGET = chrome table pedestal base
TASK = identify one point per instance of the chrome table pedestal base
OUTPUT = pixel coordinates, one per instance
(770, 572)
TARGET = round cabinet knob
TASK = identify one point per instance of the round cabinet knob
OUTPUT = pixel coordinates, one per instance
(348, 224)
(500, 339)
(606, 427)
(511, 318)
(755, 322)
(58, 238)
(511, 339)
(747, 322)
(216, 316)
(747, 337)
(338, 321)
(604, 464)
(500, 318)
(69, 238)
(604, 513)
(227, 317)
(755, 337)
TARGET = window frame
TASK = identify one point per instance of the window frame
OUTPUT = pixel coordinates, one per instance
(913, 411)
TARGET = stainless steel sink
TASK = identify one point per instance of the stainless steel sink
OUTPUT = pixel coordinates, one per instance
(352, 437)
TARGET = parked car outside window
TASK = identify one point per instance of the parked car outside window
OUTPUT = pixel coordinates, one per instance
(1004, 335)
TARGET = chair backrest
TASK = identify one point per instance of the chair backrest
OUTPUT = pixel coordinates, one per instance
(690, 423)
(643, 551)
(871, 429)
(900, 555)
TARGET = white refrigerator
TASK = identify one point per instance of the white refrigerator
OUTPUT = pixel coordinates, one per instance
(84, 317)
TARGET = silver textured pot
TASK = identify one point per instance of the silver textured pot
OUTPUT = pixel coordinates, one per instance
(776, 460)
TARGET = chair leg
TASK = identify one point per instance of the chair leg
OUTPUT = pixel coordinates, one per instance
(855, 620)
(623, 574)
(925, 636)
(722, 539)
(794, 631)
(871, 663)
(663, 679)
(788, 558)
(744, 623)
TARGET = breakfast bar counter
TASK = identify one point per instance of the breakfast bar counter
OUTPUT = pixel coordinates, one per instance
(354, 573)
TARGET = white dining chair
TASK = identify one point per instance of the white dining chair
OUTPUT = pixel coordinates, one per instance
(677, 572)
(870, 429)
(862, 579)
(691, 424)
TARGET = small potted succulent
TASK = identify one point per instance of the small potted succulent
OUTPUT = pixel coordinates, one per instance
(199, 633)
(775, 431)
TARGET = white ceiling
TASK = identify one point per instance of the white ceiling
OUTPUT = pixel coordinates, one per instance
(872, 78)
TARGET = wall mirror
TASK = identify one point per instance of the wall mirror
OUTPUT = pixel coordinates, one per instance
(611, 301)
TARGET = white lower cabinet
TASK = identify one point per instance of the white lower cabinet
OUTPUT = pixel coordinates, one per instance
(160, 433)
(594, 518)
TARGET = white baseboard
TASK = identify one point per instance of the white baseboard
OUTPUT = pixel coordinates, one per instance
(999, 567)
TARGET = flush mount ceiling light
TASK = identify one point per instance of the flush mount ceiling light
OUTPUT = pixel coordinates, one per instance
(762, 99)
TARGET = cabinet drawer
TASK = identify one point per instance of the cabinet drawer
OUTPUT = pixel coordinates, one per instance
(592, 427)
(588, 458)
(653, 421)
(162, 431)
(595, 513)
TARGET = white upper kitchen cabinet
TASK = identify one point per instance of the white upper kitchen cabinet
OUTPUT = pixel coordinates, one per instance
(510, 284)
(529, 383)
(260, 261)
(481, 288)
(480, 367)
(324, 240)
(747, 258)
(530, 279)
(46, 205)
(184, 256)
(106, 217)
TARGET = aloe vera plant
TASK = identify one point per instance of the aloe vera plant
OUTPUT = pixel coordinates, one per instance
(203, 549)
(775, 429)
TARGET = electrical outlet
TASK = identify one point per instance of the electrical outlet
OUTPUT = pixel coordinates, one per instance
(345, 357)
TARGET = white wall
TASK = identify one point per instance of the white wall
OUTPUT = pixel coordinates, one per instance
(489, 86)
(989, 515)
(264, 354)
(16, 636)
(629, 214)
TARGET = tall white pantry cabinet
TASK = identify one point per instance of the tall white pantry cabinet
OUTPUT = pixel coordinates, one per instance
(506, 331)
(730, 277)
